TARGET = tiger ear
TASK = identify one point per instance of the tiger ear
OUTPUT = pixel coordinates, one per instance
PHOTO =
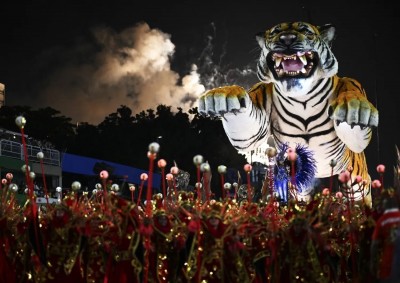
(327, 33)
(260, 37)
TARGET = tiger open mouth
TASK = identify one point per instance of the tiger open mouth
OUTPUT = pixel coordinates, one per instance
(299, 64)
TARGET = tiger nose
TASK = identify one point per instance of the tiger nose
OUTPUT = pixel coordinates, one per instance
(287, 38)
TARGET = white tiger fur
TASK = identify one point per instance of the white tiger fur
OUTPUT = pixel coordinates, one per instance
(299, 100)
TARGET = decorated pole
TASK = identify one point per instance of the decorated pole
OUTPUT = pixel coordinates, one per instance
(292, 156)
(174, 171)
(198, 160)
(247, 168)
(20, 121)
(104, 176)
(143, 178)
(222, 172)
(332, 163)
(40, 156)
(161, 164)
(205, 168)
(271, 153)
(132, 189)
(152, 154)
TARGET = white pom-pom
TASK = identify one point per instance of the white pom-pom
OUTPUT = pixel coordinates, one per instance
(227, 186)
(198, 159)
(222, 169)
(154, 147)
(115, 187)
(20, 121)
(13, 187)
(32, 175)
(24, 168)
(75, 186)
(205, 167)
(174, 170)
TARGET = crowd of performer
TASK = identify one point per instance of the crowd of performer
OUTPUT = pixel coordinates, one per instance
(178, 237)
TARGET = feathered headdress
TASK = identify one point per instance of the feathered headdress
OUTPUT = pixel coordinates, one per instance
(304, 166)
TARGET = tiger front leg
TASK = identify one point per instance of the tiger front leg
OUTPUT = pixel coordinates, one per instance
(244, 122)
(221, 100)
(349, 110)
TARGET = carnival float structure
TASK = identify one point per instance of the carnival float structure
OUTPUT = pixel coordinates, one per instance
(191, 236)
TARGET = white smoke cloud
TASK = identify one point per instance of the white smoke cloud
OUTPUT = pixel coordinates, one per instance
(129, 68)
(216, 70)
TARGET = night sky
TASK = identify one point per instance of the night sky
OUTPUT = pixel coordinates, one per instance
(86, 58)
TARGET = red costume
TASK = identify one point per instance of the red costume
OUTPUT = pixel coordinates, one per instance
(122, 241)
(386, 246)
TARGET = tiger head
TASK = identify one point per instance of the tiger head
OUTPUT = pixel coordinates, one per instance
(295, 55)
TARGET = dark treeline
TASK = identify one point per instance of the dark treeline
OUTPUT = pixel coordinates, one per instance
(123, 137)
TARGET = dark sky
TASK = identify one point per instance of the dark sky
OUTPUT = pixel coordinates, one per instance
(86, 58)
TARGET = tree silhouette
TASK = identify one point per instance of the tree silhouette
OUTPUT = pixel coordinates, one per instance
(44, 124)
(123, 137)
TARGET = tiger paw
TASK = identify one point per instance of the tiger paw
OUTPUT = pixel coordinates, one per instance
(222, 100)
(354, 109)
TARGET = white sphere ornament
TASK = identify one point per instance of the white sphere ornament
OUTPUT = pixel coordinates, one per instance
(13, 187)
(174, 170)
(58, 189)
(20, 121)
(24, 168)
(76, 186)
(154, 147)
(227, 186)
(40, 155)
(221, 169)
(32, 175)
(198, 160)
(115, 187)
(132, 188)
(205, 167)
(98, 186)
